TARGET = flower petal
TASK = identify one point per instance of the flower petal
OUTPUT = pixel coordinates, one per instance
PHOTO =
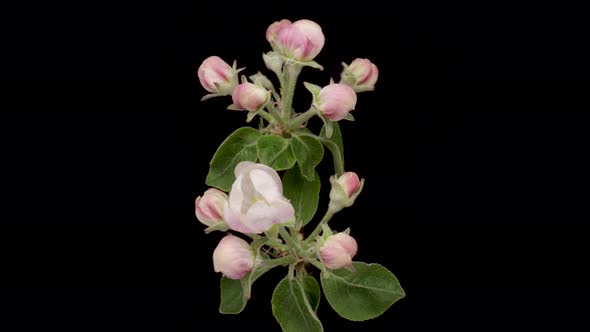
(243, 167)
(260, 217)
(234, 221)
(282, 210)
(266, 185)
(236, 195)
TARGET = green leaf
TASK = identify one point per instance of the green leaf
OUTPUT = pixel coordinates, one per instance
(209, 96)
(312, 291)
(261, 80)
(274, 151)
(250, 116)
(308, 153)
(232, 296)
(221, 227)
(314, 89)
(239, 146)
(312, 64)
(363, 294)
(303, 194)
(336, 136)
(234, 107)
(349, 117)
(336, 146)
(294, 304)
(273, 231)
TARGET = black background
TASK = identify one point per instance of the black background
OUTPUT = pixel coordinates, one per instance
(481, 213)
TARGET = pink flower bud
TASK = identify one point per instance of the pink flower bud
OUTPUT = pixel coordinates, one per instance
(302, 40)
(209, 207)
(338, 250)
(361, 75)
(251, 97)
(273, 30)
(335, 101)
(345, 190)
(233, 257)
(216, 76)
(349, 182)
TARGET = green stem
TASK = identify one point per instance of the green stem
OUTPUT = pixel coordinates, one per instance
(274, 93)
(334, 149)
(298, 225)
(289, 240)
(277, 117)
(292, 72)
(271, 106)
(317, 264)
(277, 244)
(281, 261)
(266, 116)
(300, 269)
(283, 83)
(252, 236)
(310, 251)
(318, 228)
(302, 118)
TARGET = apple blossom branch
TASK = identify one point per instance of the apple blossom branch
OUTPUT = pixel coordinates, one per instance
(248, 196)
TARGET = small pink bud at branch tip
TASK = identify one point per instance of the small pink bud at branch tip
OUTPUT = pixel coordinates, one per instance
(335, 101)
(216, 76)
(302, 40)
(361, 75)
(250, 97)
(345, 190)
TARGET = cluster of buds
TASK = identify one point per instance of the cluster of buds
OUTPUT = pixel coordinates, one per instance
(255, 202)
(295, 44)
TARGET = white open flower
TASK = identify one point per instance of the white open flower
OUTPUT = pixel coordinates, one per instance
(256, 200)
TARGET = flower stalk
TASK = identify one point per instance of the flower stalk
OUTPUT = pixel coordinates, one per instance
(291, 75)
